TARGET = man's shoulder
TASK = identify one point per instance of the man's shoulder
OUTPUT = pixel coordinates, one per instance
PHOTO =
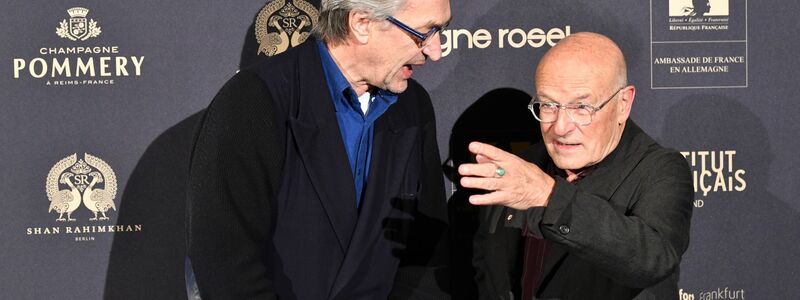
(283, 68)
(276, 81)
(650, 148)
(657, 158)
(255, 83)
(245, 89)
(664, 159)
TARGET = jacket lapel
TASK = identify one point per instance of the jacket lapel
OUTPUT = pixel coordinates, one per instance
(319, 143)
(614, 169)
(390, 152)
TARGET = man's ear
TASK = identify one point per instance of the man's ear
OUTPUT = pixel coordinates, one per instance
(358, 23)
(625, 103)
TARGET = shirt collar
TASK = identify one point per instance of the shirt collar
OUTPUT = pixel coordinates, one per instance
(338, 86)
(580, 173)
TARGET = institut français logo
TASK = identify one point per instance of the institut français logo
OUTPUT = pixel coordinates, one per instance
(282, 24)
(78, 27)
(715, 171)
(75, 183)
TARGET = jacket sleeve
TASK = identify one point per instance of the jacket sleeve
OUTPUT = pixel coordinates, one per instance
(637, 246)
(235, 164)
(423, 272)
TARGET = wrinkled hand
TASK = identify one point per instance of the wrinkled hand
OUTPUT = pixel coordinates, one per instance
(524, 185)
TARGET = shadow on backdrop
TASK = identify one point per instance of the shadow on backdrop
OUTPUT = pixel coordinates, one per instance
(499, 117)
(741, 240)
(150, 265)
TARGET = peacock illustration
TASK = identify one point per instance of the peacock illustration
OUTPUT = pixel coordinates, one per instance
(279, 42)
(97, 200)
(300, 37)
(66, 201)
(63, 201)
(271, 43)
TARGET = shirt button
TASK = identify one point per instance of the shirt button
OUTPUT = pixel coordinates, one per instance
(564, 229)
(510, 217)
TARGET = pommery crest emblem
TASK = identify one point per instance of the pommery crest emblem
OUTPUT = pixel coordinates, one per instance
(281, 24)
(89, 182)
(78, 27)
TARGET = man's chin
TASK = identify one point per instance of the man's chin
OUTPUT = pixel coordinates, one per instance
(568, 164)
(397, 87)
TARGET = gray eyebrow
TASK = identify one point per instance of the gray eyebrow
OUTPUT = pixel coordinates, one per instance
(580, 97)
(432, 23)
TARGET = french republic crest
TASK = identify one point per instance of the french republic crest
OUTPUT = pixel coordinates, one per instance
(78, 27)
(73, 183)
(282, 24)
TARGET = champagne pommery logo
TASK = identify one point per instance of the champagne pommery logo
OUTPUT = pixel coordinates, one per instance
(78, 27)
(281, 24)
(89, 182)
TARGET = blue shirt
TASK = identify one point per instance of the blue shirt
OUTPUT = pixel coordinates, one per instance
(356, 127)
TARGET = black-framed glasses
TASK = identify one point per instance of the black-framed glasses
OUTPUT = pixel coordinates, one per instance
(422, 38)
(579, 113)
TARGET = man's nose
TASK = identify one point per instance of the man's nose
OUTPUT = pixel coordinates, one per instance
(433, 49)
(563, 124)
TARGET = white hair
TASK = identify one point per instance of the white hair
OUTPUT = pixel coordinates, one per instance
(334, 15)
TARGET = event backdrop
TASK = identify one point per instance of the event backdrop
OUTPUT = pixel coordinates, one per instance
(100, 100)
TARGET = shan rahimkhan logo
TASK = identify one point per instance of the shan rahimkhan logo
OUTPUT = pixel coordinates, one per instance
(282, 24)
(82, 194)
(87, 183)
(78, 27)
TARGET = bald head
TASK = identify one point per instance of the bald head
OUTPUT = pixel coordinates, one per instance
(595, 53)
(584, 69)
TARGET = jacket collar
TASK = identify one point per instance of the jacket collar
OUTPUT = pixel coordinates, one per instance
(614, 168)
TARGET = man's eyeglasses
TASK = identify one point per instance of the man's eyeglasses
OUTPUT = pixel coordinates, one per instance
(421, 38)
(579, 113)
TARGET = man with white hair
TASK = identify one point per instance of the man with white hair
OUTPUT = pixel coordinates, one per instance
(597, 210)
(316, 174)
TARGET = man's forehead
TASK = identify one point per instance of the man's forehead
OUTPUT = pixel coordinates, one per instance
(429, 13)
(574, 74)
(564, 95)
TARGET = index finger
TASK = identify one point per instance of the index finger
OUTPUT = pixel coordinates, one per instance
(491, 152)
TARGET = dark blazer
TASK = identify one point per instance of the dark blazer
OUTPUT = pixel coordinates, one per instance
(272, 210)
(618, 233)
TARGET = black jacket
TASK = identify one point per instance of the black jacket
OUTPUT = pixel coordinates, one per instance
(272, 201)
(618, 233)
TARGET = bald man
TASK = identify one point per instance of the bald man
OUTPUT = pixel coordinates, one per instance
(598, 209)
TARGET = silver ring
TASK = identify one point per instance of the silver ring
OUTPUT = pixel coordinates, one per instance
(500, 171)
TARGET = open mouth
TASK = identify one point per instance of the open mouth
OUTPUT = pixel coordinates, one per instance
(408, 70)
(566, 146)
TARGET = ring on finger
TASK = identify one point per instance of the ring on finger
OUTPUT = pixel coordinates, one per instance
(500, 171)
